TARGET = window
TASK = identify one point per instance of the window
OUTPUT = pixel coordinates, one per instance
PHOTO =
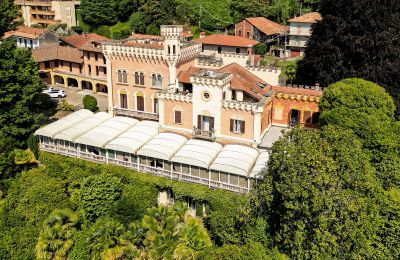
(240, 33)
(173, 49)
(70, 67)
(156, 80)
(122, 76)
(202, 48)
(237, 126)
(97, 71)
(248, 35)
(307, 117)
(47, 64)
(80, 68)
(105, 70)
(237, 50)
(62, 63)
(219, 49)
(89, 69)
(104, 60)
(88, 55)
(178, 117)
(139, 78)
(315, 118)
(96, 57)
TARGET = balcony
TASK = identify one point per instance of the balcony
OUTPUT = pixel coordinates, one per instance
(43, 12)
(203, 134)
(135, 114)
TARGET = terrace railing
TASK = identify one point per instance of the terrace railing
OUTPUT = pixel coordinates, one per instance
(136, 114)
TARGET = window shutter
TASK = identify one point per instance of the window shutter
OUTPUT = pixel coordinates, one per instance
(231, 126)
(199, 121)
(242, 127)
(211, 123)
(178, 117)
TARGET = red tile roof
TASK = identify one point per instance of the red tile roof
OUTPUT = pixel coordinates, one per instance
(307, 18)
(267, 26)
(184, 76)
(246, 81)
(64, 53)
(226, 40)
(25, 32)
(78, 40)
(298, 91)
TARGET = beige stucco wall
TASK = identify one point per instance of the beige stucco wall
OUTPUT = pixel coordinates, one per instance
(227, 114)
(93, 63)
(282, 107)
(186, 109)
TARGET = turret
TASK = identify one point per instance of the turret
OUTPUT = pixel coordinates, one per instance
(172, 49)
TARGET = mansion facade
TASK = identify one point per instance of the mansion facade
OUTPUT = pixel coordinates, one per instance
(166, 79)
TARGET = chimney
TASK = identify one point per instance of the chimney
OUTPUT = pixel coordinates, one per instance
(202, 35)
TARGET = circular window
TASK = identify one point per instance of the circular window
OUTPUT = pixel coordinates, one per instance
(206, 96)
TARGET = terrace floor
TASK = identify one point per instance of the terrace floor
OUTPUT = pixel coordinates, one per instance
(274, 133)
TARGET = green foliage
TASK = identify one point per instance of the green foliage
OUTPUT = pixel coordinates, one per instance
(261, 49)
(20, 112)
(53, 26)
(38, 26)
(96, 194)
(30, 199)
(22, 157)
(33, 145)
(152, 29)
(366, 109)
(345, 45)
(98, 12)
(103, 30)
(8, 19)
(77, 29)
(55, 239)
(106, 241)
(90, 102)
(7, 165)
(63, 105)
(137, 22)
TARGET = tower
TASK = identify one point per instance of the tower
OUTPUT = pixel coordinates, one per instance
(172, 48)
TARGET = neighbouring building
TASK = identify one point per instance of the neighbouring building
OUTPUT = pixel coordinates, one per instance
(45, 12)
(263, 30)
(31, 38)
(77, 62)
(300, 31)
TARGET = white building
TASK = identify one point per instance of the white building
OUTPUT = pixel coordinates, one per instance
(32, 38)
(300, 31)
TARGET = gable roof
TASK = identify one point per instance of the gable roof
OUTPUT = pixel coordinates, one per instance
(78, 41)
(246, 81)
(25, 32)
(267, 26)
(64, 53)
(226, 40)
(307, 18)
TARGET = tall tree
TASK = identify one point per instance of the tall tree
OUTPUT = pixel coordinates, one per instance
(55, 239)
(20, 93)
(325, 196)
(356, 38)
(9, 13)
(248, 8)
(98, 12)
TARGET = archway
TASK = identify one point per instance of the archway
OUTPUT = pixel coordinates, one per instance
(87, 85)
(139, 101)
(101, 88)
(58, 80)
(123, 99)
(72, 82)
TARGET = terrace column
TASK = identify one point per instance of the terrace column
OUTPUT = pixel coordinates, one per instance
(79, 84)
(257, 126)
(161, 111)
(172, 73)
(109, 86)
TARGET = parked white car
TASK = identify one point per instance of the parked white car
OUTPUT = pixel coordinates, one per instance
(55, 93)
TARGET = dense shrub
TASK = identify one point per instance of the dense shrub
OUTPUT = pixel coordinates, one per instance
(77, 29)
(90, 102)
(261, 49)
(63, 105)
(104, 30)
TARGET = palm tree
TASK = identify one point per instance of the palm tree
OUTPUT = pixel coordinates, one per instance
(107, 241)
(55, 239)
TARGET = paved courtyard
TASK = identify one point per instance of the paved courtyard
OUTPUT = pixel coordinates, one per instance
(75, 97)
(274, 133)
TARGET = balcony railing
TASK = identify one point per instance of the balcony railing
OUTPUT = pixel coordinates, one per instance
(202, 134)
(136, 114)
(179, 176)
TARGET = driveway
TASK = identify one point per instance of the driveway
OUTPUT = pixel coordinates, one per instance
(75, 97)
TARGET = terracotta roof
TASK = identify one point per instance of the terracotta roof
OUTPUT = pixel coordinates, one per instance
(146, 36)
(307, 18)
(25, 32)
(267, 26)
(299, 91)
(226, 40)
(187, 34)
(184, 76)
(245, 81)
(78, 40)
(91, 46)
(64, 53)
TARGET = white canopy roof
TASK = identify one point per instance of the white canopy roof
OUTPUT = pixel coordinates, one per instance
(52, 129)
(237, 159)
(197, 153)
(163, 146)
(260, 164)
(135, 137)
(82, 127)
(107, 131)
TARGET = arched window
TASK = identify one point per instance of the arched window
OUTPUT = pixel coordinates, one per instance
(156, 80)
(124, 77)
(169, 49)
(139, 78)
(119, 76)
(174, 49)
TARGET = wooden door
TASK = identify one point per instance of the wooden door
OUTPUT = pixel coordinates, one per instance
(140, 103)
